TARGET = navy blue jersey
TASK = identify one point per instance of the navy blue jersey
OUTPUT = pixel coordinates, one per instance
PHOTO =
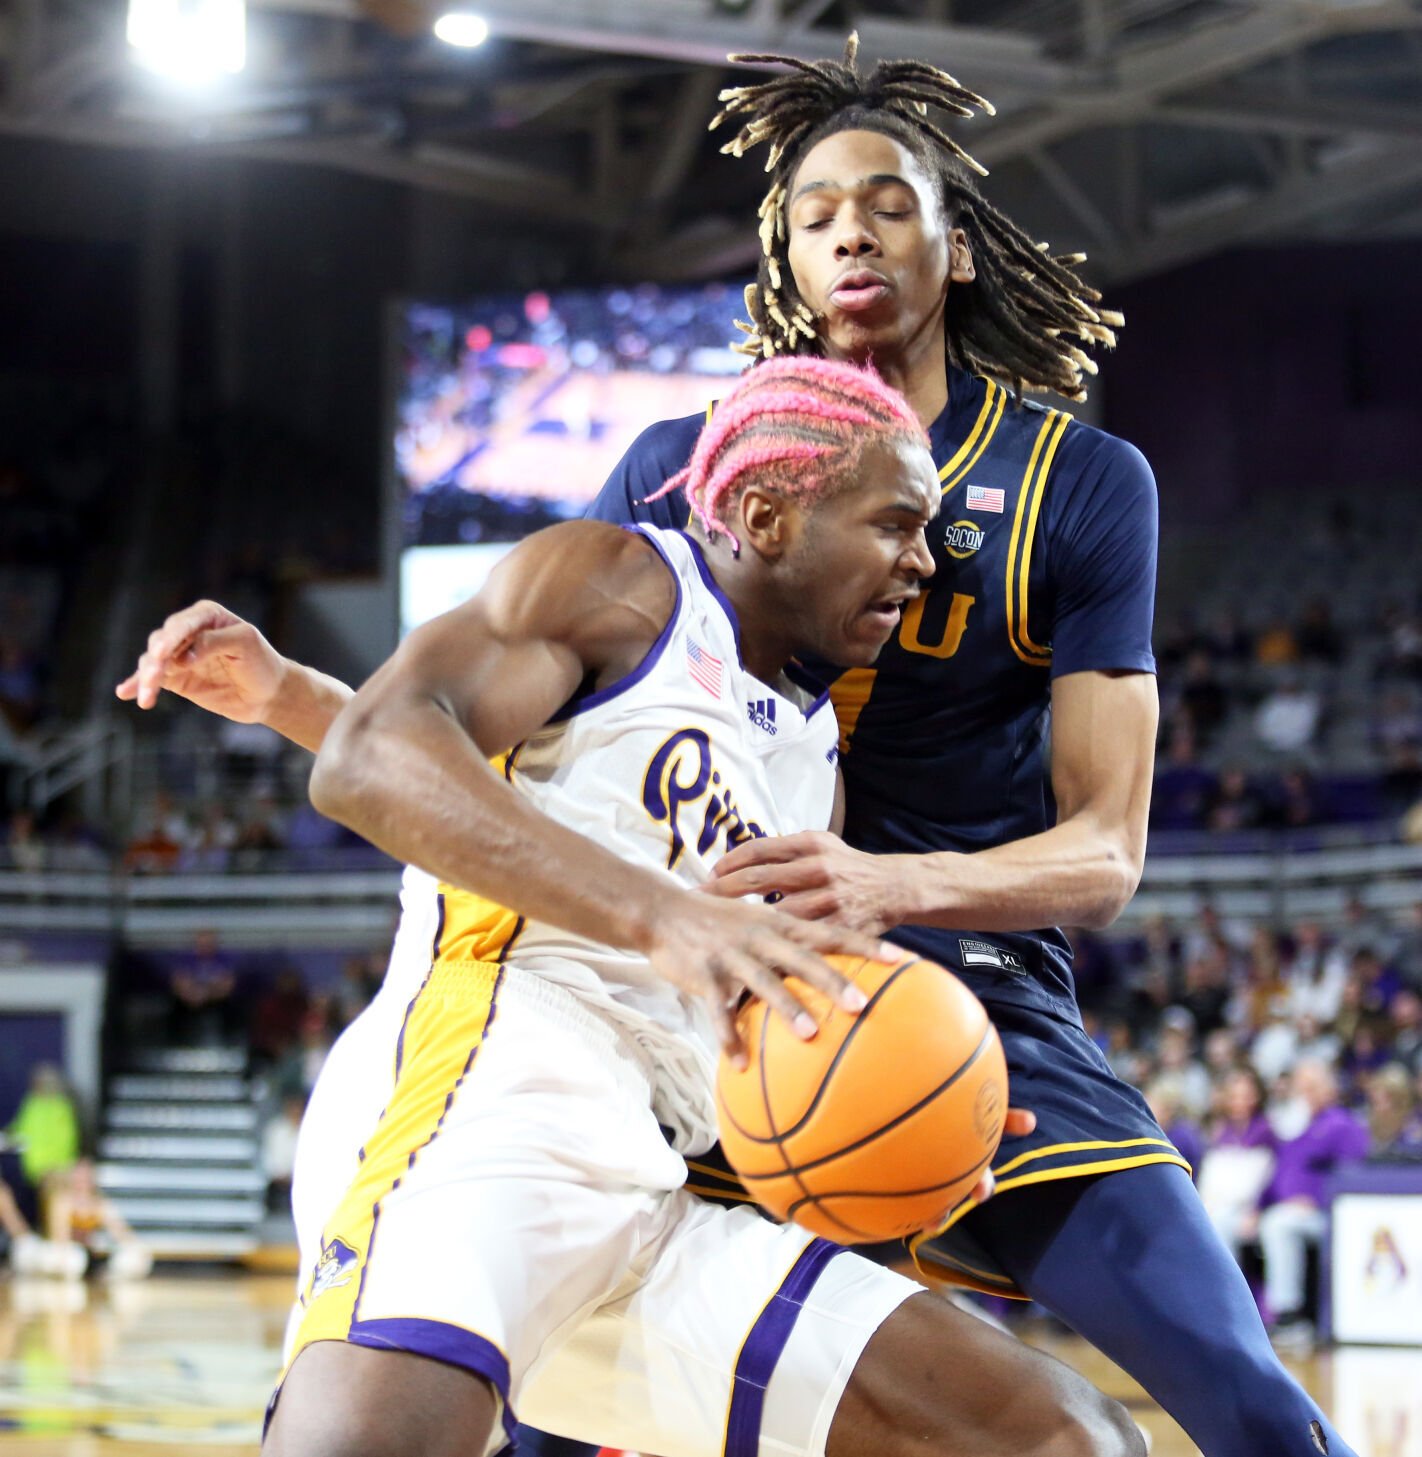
(1045, 553)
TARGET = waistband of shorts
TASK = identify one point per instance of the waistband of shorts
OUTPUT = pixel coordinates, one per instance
(564, 1009)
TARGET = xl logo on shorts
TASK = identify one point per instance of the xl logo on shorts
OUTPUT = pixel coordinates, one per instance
(335, 1268)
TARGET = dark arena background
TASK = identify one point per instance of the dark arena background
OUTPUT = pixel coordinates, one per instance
(308, 310)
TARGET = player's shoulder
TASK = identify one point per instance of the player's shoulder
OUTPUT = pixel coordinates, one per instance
(668, 443)
(1093, 471)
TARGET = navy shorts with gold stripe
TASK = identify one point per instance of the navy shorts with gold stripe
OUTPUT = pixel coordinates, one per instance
(1088, 1122)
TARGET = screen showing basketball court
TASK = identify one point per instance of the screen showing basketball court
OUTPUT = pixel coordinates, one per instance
(512, 410)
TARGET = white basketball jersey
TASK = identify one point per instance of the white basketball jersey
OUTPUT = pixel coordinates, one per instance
(685, 757)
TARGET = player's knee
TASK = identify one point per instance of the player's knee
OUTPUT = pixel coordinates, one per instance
(1102, 1428)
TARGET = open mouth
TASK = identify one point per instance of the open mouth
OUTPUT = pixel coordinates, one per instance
(888, 611)
(859, 290)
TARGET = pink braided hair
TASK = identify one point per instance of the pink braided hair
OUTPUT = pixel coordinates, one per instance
(779, 419)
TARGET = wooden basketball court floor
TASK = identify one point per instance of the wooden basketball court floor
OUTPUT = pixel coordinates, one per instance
(185, 1363)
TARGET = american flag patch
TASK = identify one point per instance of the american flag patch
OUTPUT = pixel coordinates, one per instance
(985, 498)
(704, 667)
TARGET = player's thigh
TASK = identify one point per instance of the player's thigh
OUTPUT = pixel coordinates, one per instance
(736, 1337)
(937, 1379)
(340, 1400)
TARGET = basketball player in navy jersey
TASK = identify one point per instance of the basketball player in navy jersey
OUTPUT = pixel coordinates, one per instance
(960, 834)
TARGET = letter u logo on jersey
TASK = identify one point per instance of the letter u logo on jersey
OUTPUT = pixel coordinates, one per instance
(680, 773)
(954, 626)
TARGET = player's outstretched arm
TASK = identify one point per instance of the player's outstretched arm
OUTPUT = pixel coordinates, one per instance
(406, 765)
(1081, 872)
(215, 659)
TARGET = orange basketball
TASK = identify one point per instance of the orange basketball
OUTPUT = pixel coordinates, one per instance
(883, 1122)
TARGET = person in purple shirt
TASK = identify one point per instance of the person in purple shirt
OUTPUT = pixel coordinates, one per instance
(1293, 1207)
(1239, 1159)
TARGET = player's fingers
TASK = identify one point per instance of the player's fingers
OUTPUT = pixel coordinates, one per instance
(985, 1187)
(214, 640)
(845, 940)
(1019, 1121)
(790, 959)
(808, 905)
(722, 1004)
(128, 689)
(767, 850)
(753, 973)
(775, 879)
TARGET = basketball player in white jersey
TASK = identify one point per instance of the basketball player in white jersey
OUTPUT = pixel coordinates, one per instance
(563, 758)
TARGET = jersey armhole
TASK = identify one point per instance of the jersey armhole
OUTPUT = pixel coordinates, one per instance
(580, 703)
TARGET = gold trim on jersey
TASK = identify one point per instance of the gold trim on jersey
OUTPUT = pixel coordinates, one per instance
(848, 695)
(971, 450)
(1019, 551)
(941, 1270)
(444, 1029)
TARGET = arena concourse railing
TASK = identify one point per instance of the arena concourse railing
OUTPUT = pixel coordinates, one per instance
(313, 898)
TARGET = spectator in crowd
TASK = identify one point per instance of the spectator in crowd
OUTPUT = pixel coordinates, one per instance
(45, 1127)
(1182, 785)
(278, 1016)
(1222, 1052)
(1276, 645)
(1362, 928)
(1239, 1159)
(1175, 1057)
(1318, 637)
(1235, 804)
(1206, 990)
(1166, 1097)
(24, 849)
(1126, 1059)
(1405, 1013)
(1394, 1128)
(279, 1150)
(203, 990)
(84, 1227)
(302, 1065)
(1407, 955)
(158, 845)
(1316, 975)
(208, 850)
(1296, 807)
(1287, 720)
(1262, 988)
(1293, 1207)
(19, 685)
(360, 980)
(1203, 699)
(1229, 638)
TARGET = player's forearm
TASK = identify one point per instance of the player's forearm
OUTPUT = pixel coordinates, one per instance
(305, 705)
(410, 780)
(1076, 874)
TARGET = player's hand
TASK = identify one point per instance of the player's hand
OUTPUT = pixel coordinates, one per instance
(211, 657)
(1017, 1123)
(720, 950)
(815, 876)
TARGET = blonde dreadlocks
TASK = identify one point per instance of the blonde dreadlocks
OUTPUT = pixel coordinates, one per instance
(1018, 320)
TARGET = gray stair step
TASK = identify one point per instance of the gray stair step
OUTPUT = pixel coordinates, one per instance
(180, 1179)
(189, 1060)
(179, 1118)
(152, 1087)
(205, 1149)
(152, 1213)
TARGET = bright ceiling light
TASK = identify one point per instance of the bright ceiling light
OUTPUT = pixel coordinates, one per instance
(462, 28)
(189, 40)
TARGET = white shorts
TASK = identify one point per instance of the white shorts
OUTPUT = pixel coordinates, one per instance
(516, 1210)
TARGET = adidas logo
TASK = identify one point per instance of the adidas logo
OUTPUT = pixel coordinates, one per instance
(762, 714)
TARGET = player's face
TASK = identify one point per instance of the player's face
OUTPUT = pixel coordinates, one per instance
(870, 248)
(861, 555)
